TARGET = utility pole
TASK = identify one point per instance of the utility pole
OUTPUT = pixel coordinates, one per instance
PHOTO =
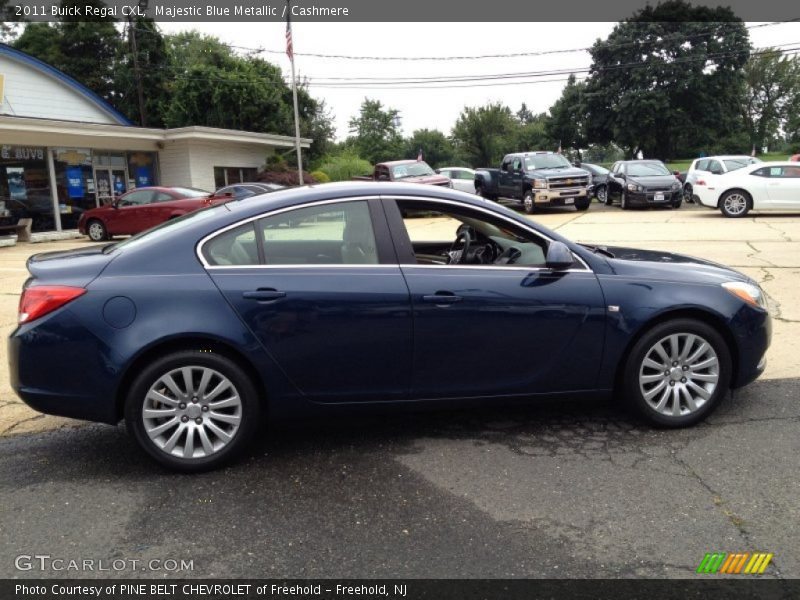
(136, 73)
(290, 54)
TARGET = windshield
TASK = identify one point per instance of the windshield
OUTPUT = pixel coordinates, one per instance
(731, 164)
(647, 169)
(167, 228)
(191, 192)
(417, 169)
(545, 161)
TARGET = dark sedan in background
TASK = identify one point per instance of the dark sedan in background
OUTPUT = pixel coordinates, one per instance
(141, 209)
(643, 183)
(240, 191)
(598, 187)
(193, 329)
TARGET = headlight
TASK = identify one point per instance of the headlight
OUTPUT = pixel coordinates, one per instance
(633, 187)
(540, 184)
(676, 185)
(751, 294)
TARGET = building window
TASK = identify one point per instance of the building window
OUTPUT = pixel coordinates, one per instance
(142, 169)
(74, 184)
(25, 187)
(229, 175)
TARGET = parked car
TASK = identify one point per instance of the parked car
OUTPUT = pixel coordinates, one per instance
(598, 187)
(142, 208)
(192, 329)
(408, 171)
(462, 178)
(762, 186)
(715, 165)
(795, 158)
(643, 183)
(536, 179)
(239, 191)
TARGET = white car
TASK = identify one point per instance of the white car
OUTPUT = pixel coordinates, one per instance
(715, 165)
(763, 186)
(463, 178)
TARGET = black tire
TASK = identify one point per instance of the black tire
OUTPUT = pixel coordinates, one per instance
(687, 193)
(735, 204)
(96, 230)
(632, 389)
(582, 204)
(623, 202)
(243, 387)
(601, 193)
(677, 203)
(609, 200)
(527, 202)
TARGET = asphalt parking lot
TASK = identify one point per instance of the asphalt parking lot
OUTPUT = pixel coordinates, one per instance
(552, 490)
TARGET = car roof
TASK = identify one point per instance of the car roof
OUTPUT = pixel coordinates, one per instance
(642, 161)
(777, 163)
(454, 168)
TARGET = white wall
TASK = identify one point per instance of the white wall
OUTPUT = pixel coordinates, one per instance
(30, 93)
(192, 163)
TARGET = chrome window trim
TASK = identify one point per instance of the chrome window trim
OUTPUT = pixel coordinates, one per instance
(245, 221)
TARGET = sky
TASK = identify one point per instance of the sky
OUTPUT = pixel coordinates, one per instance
(432, 108)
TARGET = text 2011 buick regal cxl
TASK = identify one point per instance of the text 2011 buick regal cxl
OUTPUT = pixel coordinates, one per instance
(378, 293)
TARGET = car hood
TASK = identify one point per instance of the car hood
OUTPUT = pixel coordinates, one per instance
(429, 179)
(654, 180)
(548, 173)
(668, 266)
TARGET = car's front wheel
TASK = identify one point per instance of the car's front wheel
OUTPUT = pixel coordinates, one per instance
(192, 410)
(623, 202)
(582, 204)
(677, 373)
(527, 202)
(735, 203)
(96, 230)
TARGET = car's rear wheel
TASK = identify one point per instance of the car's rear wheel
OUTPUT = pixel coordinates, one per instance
(735, 203)
(677, 373)
(687, 193)
(527, 202)
(192, 411)
(601, 193)
(96, 230)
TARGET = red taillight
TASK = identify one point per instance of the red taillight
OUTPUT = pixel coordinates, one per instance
(39, 300)
(701, 182)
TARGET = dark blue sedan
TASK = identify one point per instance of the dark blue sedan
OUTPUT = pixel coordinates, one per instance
(324, 298)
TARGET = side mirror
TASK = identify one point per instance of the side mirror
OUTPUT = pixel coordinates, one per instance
(559, 256)
(437, 171)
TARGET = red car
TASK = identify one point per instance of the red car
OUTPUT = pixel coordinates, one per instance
(143, 208)
(795, 158)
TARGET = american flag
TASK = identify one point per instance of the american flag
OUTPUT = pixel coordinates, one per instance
(289, 48)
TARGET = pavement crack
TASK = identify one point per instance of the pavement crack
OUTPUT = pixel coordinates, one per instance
(784, 236)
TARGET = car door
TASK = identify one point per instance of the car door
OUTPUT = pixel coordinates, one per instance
(464, 180)
(783, 187)
(320, 288)
(496, 329)
(615, 183)
(130, 216)
(505, 183)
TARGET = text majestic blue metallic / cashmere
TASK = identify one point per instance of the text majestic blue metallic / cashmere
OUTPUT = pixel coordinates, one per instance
(324, 297)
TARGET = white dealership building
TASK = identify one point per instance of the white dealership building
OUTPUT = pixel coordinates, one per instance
(64, 150)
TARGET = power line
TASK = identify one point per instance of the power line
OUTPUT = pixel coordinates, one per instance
(681, 35)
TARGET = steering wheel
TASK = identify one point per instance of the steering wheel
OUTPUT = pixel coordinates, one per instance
(464, 237)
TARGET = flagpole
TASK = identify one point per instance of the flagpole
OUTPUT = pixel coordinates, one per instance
(290, 50)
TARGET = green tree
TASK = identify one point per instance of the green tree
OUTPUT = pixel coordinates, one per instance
(668, 79)
(437, 149)
(772, 86)
(155, 73)
(9, 22)
(374, 132)
(533, 135)
(483, 135)
(567, 122)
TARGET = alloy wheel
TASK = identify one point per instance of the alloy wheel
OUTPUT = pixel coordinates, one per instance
(679, 374)
(96, 231)
(602, 194)
(735, 204)
(192, 412)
